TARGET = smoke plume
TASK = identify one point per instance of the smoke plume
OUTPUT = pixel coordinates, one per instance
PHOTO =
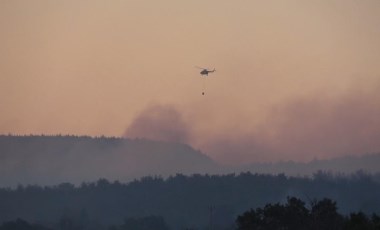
(318, 125)
(160, 123)
(305, 128)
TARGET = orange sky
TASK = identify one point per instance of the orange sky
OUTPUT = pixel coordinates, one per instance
(286, 72)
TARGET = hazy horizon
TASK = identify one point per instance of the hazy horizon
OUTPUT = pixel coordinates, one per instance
(294, 80)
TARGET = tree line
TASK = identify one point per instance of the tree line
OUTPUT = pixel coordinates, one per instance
(295, 215)
(182, 201)
(292, 215)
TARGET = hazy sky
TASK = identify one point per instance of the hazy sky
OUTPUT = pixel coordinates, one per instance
(295, 80)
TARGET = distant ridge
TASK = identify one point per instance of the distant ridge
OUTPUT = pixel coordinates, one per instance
(55, 159)
(48, 160)
(368, 163)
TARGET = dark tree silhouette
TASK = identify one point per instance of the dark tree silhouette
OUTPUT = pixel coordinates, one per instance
(292, 215)
(20, 224)
(358, 221)
(324, 215)
(295, 216)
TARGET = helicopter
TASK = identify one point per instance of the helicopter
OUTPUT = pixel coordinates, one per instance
(205, 71)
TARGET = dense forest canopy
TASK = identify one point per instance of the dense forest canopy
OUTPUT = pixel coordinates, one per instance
(184, 201)
(293, 214)
(296, 215)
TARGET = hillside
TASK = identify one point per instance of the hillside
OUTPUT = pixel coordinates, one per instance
(48, 160)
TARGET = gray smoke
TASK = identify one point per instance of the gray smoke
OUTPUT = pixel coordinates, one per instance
(160, 123)
(304, 128)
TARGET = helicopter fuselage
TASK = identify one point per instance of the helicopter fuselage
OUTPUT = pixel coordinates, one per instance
(206, 72)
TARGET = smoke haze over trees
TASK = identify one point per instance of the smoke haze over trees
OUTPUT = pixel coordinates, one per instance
(177, 183)
(131, 136)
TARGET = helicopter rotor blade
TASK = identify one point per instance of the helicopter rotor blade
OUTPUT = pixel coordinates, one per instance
(199, 67)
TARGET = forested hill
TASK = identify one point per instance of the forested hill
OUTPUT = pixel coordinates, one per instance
(48, 160)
